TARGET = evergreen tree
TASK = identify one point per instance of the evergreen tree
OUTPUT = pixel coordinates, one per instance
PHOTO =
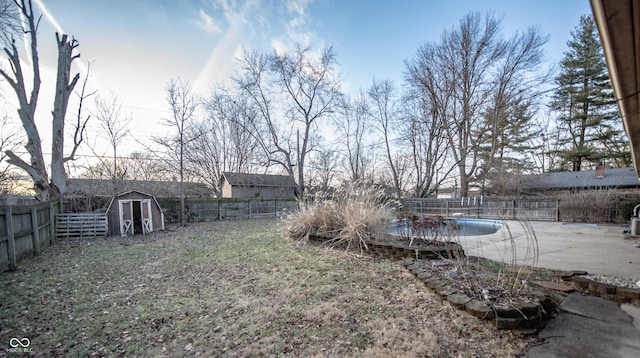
(587, 115)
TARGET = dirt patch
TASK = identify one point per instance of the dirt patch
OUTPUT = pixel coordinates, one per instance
(230, 288)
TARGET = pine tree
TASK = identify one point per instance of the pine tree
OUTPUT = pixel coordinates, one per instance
(587, 115)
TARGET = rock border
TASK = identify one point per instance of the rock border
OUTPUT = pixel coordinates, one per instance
(523, 316)
(620, 294)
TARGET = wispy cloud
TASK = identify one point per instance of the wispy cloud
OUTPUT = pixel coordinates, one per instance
(221, 62)
(297, 26)
(207, 23)
(84, 67)
(49, 16)
(256, 23)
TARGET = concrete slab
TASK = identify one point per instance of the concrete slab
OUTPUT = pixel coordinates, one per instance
(634, 313)
(597, 249)
(588, 327)
(595, 308)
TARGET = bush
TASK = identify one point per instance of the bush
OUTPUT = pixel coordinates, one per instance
(350, 219)
(626, 209)
(588, 206)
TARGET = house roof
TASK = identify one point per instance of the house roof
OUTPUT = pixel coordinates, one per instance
(159, 189)
(613, 178)
(258, 180)
(618, 22)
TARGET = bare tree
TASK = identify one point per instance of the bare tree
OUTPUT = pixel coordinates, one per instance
(9, 20)
(137, 166)
(386, 116)
(222, 142)
(471, 65)
(312, 89)
(114, 128)
(323, 169)
(36, 167)
(8, 141)
(183, 104)
(299, 87)
(424, 132)
(354, 129)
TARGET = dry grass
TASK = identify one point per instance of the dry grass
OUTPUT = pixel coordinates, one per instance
(230, 289)
(351, 219)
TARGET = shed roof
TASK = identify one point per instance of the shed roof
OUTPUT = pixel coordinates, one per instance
(613, 178)
(159, 189)
(258, 180)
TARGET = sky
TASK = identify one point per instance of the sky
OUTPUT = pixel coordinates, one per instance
(134, 47)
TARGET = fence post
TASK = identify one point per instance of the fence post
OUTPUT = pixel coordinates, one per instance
(52, 222)
(557, 209)
(12, 244)
(275, 208)
(447, 214)
(513, 209)
(249, 208)
(35, 236)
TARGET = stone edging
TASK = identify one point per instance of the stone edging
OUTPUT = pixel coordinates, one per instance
(523, 315)
(607, 291)
(400, 252)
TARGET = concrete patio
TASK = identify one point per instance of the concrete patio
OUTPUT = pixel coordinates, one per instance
(597, 249)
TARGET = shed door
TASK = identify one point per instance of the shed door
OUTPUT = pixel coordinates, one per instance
(126, 217)
(145, 210)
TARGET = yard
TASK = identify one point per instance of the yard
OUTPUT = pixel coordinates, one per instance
(230, 288)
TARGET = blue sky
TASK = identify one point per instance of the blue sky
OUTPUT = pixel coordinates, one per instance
(136, 46)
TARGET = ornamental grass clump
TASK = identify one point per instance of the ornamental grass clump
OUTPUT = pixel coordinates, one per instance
(349, 220)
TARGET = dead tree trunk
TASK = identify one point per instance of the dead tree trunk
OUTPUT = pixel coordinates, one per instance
(64, 87)
(36, 167)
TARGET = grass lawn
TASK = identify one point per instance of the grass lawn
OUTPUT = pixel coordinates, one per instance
(230, 288)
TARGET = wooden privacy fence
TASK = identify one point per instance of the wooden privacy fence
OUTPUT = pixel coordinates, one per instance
(81, 225)
(25, 230)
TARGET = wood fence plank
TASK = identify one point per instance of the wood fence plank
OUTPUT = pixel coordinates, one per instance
(36, 231)
(12, 244)
(71, 225)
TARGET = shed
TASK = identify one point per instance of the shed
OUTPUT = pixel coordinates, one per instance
(245, 185)
(134, 212)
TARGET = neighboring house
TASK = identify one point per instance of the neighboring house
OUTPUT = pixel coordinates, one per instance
(133, 213)
(244, 185)
(575, 182)
(159, 189)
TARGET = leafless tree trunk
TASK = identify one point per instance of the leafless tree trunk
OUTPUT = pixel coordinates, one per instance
(471, 65)
(223, 143)
(183, 104)
(313, 92)
(354, 129)
(64, 88)
(302, 89)
(385, 115)
(424, 132)
(115, 129)
(36, 167)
